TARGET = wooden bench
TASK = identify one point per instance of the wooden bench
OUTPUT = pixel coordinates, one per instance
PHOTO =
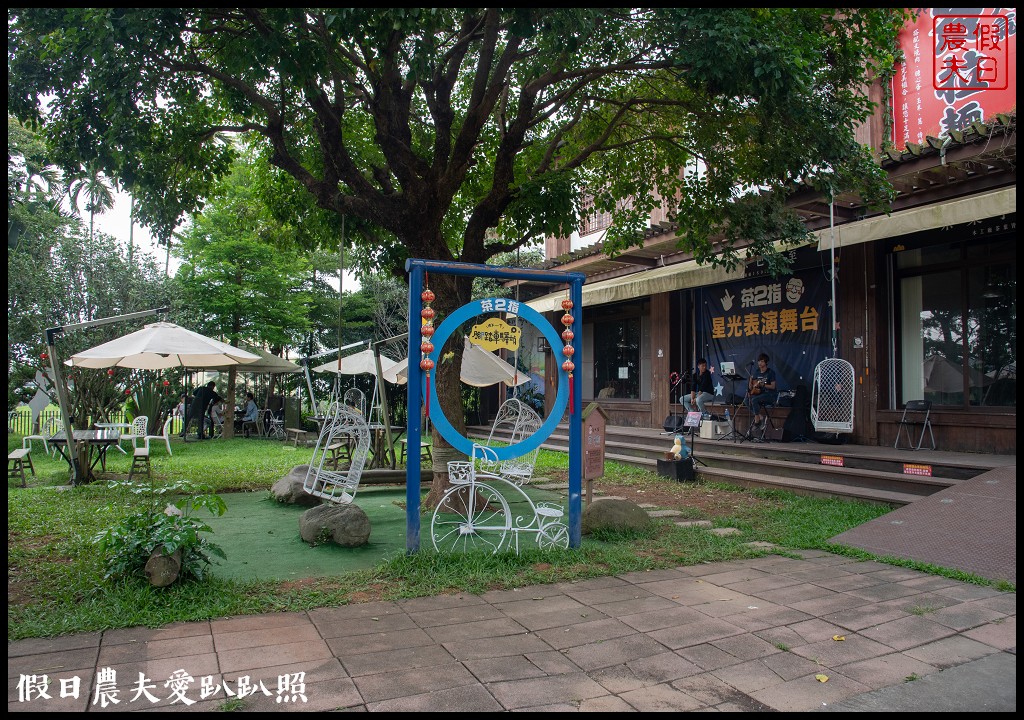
(424, 451)
(297, 432)
(337, 452)
(140, 462)
(16, 465)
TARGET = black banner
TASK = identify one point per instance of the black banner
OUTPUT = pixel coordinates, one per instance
(788, 317)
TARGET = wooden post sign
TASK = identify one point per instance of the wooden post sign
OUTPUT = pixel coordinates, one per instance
(594, 423)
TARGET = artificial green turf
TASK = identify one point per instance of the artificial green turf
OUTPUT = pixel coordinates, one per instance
(261, 536)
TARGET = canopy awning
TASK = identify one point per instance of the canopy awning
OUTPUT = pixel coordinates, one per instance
(641, 284)
(929, 217)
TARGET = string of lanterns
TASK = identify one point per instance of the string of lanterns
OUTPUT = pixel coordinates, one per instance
(568, 350)
(427, 331)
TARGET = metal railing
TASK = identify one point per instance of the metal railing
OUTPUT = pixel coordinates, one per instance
(20, 421)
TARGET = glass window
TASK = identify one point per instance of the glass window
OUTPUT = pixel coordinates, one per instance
(957, 323)
(617, 356)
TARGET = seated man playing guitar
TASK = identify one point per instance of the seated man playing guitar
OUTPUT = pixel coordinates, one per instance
(762, 389)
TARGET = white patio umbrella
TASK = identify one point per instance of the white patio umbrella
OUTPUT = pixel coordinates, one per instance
(357, 364)
(159, 346)
(268, 364)
(480, 368)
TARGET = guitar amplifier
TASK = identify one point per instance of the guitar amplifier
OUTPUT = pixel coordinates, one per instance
(712, 430)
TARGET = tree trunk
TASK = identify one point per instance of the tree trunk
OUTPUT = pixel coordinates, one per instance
(229, 404)
(161, 569)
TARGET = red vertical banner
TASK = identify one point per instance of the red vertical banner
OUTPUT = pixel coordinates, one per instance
(960, 67)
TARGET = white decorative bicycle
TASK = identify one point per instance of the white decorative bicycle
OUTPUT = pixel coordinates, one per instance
(485, 512)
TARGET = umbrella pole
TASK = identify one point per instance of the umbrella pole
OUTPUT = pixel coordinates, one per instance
(62, 401)
(77, 475)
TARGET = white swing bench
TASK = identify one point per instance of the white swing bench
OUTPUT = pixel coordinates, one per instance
(515, 422)
(832, 396)
(347, 426)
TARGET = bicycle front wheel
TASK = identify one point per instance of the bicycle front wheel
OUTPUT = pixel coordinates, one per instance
(471, 518)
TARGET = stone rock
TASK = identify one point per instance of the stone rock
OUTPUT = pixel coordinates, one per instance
(345, 525)
(614, 514)
(288, 490)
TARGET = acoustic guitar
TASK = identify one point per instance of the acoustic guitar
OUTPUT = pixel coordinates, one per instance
(756, 386)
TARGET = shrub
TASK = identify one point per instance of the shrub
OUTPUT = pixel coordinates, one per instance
(127, 545)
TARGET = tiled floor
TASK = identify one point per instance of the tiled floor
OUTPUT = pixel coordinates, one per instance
(772, 633)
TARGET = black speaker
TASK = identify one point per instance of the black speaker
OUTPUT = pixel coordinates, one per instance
(680, 470)
(674, 423)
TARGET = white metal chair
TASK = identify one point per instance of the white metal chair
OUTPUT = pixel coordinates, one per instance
(345, 425)
(47, 431)
(166, 437)
(273, 426)
(832, 396)
(514, 422)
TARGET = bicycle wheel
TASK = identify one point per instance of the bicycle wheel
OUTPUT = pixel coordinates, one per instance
(471, 518)
(553, 535)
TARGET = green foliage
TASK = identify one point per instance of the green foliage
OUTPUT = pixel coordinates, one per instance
(128, 544)
(482, 134)
(59, 274)
(149, 398)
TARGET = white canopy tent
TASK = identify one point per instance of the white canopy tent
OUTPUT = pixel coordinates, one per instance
(480, 368)
(360, 363)
(363, 362)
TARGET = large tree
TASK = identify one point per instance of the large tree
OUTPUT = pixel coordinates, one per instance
(460, 133)
(239, 279)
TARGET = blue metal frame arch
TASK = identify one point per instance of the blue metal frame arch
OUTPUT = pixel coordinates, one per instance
(417, 269)
(437, 416)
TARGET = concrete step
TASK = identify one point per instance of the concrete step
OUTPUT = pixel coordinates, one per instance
(767, 465)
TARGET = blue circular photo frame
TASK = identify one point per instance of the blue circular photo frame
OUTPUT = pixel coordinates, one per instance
(468, 311)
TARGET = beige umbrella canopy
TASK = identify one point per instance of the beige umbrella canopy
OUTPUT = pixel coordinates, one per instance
(268, 364)
(357, 364)
(480, 368)
(159, 346)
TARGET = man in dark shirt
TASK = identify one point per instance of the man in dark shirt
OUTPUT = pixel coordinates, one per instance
(702, 391)
(202, 400)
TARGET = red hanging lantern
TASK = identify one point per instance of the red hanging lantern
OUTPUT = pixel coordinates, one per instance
(427, 331)
(44, 356)
(568, 350)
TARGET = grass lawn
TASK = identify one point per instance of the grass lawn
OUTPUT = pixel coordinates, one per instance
(55, 573)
